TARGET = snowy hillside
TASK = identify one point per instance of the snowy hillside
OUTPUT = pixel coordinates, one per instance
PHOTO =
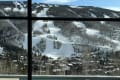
(61, 38)
(64, 38)
(13, 8)
(50, 10)
(13, 34)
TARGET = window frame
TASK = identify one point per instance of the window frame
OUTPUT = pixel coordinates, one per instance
(29, 18)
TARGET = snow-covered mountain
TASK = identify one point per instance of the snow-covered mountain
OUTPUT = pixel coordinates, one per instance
(60, 38)
(65, 38)
(52, 10)
(13, 33)
(13, 8)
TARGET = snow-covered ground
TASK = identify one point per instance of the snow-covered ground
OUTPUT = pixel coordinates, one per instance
(86, 34)
(106, 16)
(50, 51)
(22, 8)
(43, 13)
(92, 32)
(93, 15)
(79, 24)
(66, 49)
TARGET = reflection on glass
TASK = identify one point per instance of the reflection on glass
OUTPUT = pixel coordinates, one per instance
(76, 47)
(13, 8)
(13, 47)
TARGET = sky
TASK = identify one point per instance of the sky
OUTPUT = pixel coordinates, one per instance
(115, 4)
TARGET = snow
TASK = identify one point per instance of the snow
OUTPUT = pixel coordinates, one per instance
(1, 50)
(65, 50)
(16, 3)
(23, 10)
(34, 12)
(102, 22)
(62, 38)
(49, 51)
(7, 9)
(37, 26)
(76, 7)
(15, 10)
(54, 30)
(35, 40)
(116, 15)
(92, 32)
(117, 48)
(56, 5)
(74, 12)
(93, 15)
(79, 24)
(106, 16)
(113, 8)
(43, 13)
(105, 47)
(41, 5)
(115, 41)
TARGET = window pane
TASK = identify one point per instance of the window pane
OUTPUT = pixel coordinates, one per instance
(76, 8)
(76, 48)
(13, 8)
(13, 47)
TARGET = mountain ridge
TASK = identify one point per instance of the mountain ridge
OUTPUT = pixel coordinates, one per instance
(72, 11)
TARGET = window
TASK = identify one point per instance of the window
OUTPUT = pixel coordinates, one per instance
(77, 40)
(46, 38)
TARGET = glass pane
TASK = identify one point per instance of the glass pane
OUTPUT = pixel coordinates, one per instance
(76, 47)
(76, 8)
(13, 47)
(13, 8)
